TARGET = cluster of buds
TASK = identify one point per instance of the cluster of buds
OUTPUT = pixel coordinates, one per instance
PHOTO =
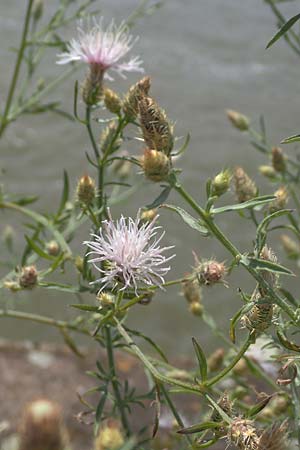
(220, 184)
(193, 295)
(156, 165)
(86, 190)
(278, 159)
(110, 437)
(107, 137)
(210, 272)
(291, 247)
(238, 120)
(92, 87)
(28, 277)
(280, 201)
(42, 427)
(245, 188)
(133, 96)
(112, 101)
(246, 436)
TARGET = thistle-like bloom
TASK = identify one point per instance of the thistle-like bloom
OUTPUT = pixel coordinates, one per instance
(128, 251)
(103, 48)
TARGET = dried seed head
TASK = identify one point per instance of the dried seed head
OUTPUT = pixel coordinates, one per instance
(221, 182)
(210, 272)
(112, 101)
(281, 200)
(92, 86)
(107, 136)
(238, 120)
(110, 437)
(52, 248)
(278, 159)
(267, 171)
(274, 438)
(156, 165)
(245, 188)
(135, 93)
(196, 309)
(148, 214)
(243, 434)
(290, 246)
(41, 427)
(215, 361)
(191, 290)
(259, 318)
(28, 278)
(86, 190)
(157, 130)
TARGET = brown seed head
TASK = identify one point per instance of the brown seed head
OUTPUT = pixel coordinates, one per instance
(274, 438)
(280, 201)
(210, 272)
(135, 93)
(52, 248)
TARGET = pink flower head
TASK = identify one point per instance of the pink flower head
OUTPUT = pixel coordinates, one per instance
(103, 48)
(131, 253)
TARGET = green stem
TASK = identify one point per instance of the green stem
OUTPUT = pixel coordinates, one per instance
(90, 132)
(114, 380)
(17, 68)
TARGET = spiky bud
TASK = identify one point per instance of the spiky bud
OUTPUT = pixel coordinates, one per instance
(52, 248)
(290, 246)
(245, 188)
(86, 190)
(112, 101)
(157, 130)
(110, 437)
(259, 318)
(196, 309)
(156, 165)
(281, 200)
(243, 434)
(41, 427)
(107, 137)
(148, 215)
(238, 120)
(220, 184)
(191, 290)
(278, 159)
(210, 272)
(28, 277)
(92, 86)
(135, 93)
(267, 171)
(216, 359)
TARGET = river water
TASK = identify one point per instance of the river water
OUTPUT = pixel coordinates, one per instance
(203, 56)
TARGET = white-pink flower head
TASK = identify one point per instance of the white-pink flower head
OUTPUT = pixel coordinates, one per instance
(131, 252)
(103, 48)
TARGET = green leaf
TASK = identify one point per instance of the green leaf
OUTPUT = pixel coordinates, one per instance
(26, 200)
(252, 412)
(150, 341)
(283, 30)
(183, 147)
(70, 342)
(201, 360)
(60, 287)
(257, 201)
(263, 226)
(65, 194)
(161, 198)
(86, 307)
(100, 407)
(40, 252)
(200, 427)
(188, 219)
(235, 319)
(291, 139)
(262, 264)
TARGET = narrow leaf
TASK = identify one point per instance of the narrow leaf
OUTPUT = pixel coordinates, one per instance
(291, 139)
(70, 342)
(257, 201)
(161, 198)
(33, 245)
(188, 219)
(86, 307)
(284, 29)
(100, 407)
(201, 360)
(252, 412)
(262, 264)
(65, 193)
(200, 427)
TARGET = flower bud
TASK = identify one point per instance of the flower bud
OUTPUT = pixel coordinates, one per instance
(148, 215)
(52, 248)
(259, 318)
(112, 101)
(241, 368)
(191, 290)
(290, 246)
(135, 93)
(92, 87)
(245, 188)
(86, 190)
(106, 298)
(238, 120)
(278, 159)
(210, 272)
(156, 165)
(220, 184)
(107, 137)
(196, 309)
(41, 427)
(281, 200)
(267, 171)
(110, 437)
(216, 359)
(157, 130)
(28, 277)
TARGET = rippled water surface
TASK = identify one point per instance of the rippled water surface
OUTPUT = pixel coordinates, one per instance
(203, 56)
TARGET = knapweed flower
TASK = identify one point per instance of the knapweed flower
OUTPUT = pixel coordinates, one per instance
(128, 251)
(103, 48)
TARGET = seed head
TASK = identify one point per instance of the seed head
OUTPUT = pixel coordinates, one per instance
(271, 278)
(28, 278)
(243, 434)
(274, 438)
(210, 272)
(133, 96)
(238, 120)
(259, 318)
(156, 165)
(245, 188)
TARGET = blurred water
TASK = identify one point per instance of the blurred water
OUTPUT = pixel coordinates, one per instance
(203, 56)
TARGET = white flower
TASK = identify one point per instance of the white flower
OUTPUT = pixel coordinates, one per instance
(131, 253)
(103, 48)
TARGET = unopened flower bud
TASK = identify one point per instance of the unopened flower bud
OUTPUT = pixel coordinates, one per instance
(42, 428)
(52, 248)
(156, 165)
(92, 87)
(278, 159)
(37, 9)
(135, 93)
(210, 272)
(216, 359)
(267, 171)
(220, 184)
(241, 368)
(86, 190)
(157, 130)
(280, 201)
(112, 101)
(107, 137)
(238, 120)
(110, 437)
(28, 277)
(291, 247)
(191, 290)
(148, 215)
(245, 188)
(196, 309)
(106, 298)
(79, 263)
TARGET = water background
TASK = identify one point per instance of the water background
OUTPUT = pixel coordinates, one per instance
(203, 56)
